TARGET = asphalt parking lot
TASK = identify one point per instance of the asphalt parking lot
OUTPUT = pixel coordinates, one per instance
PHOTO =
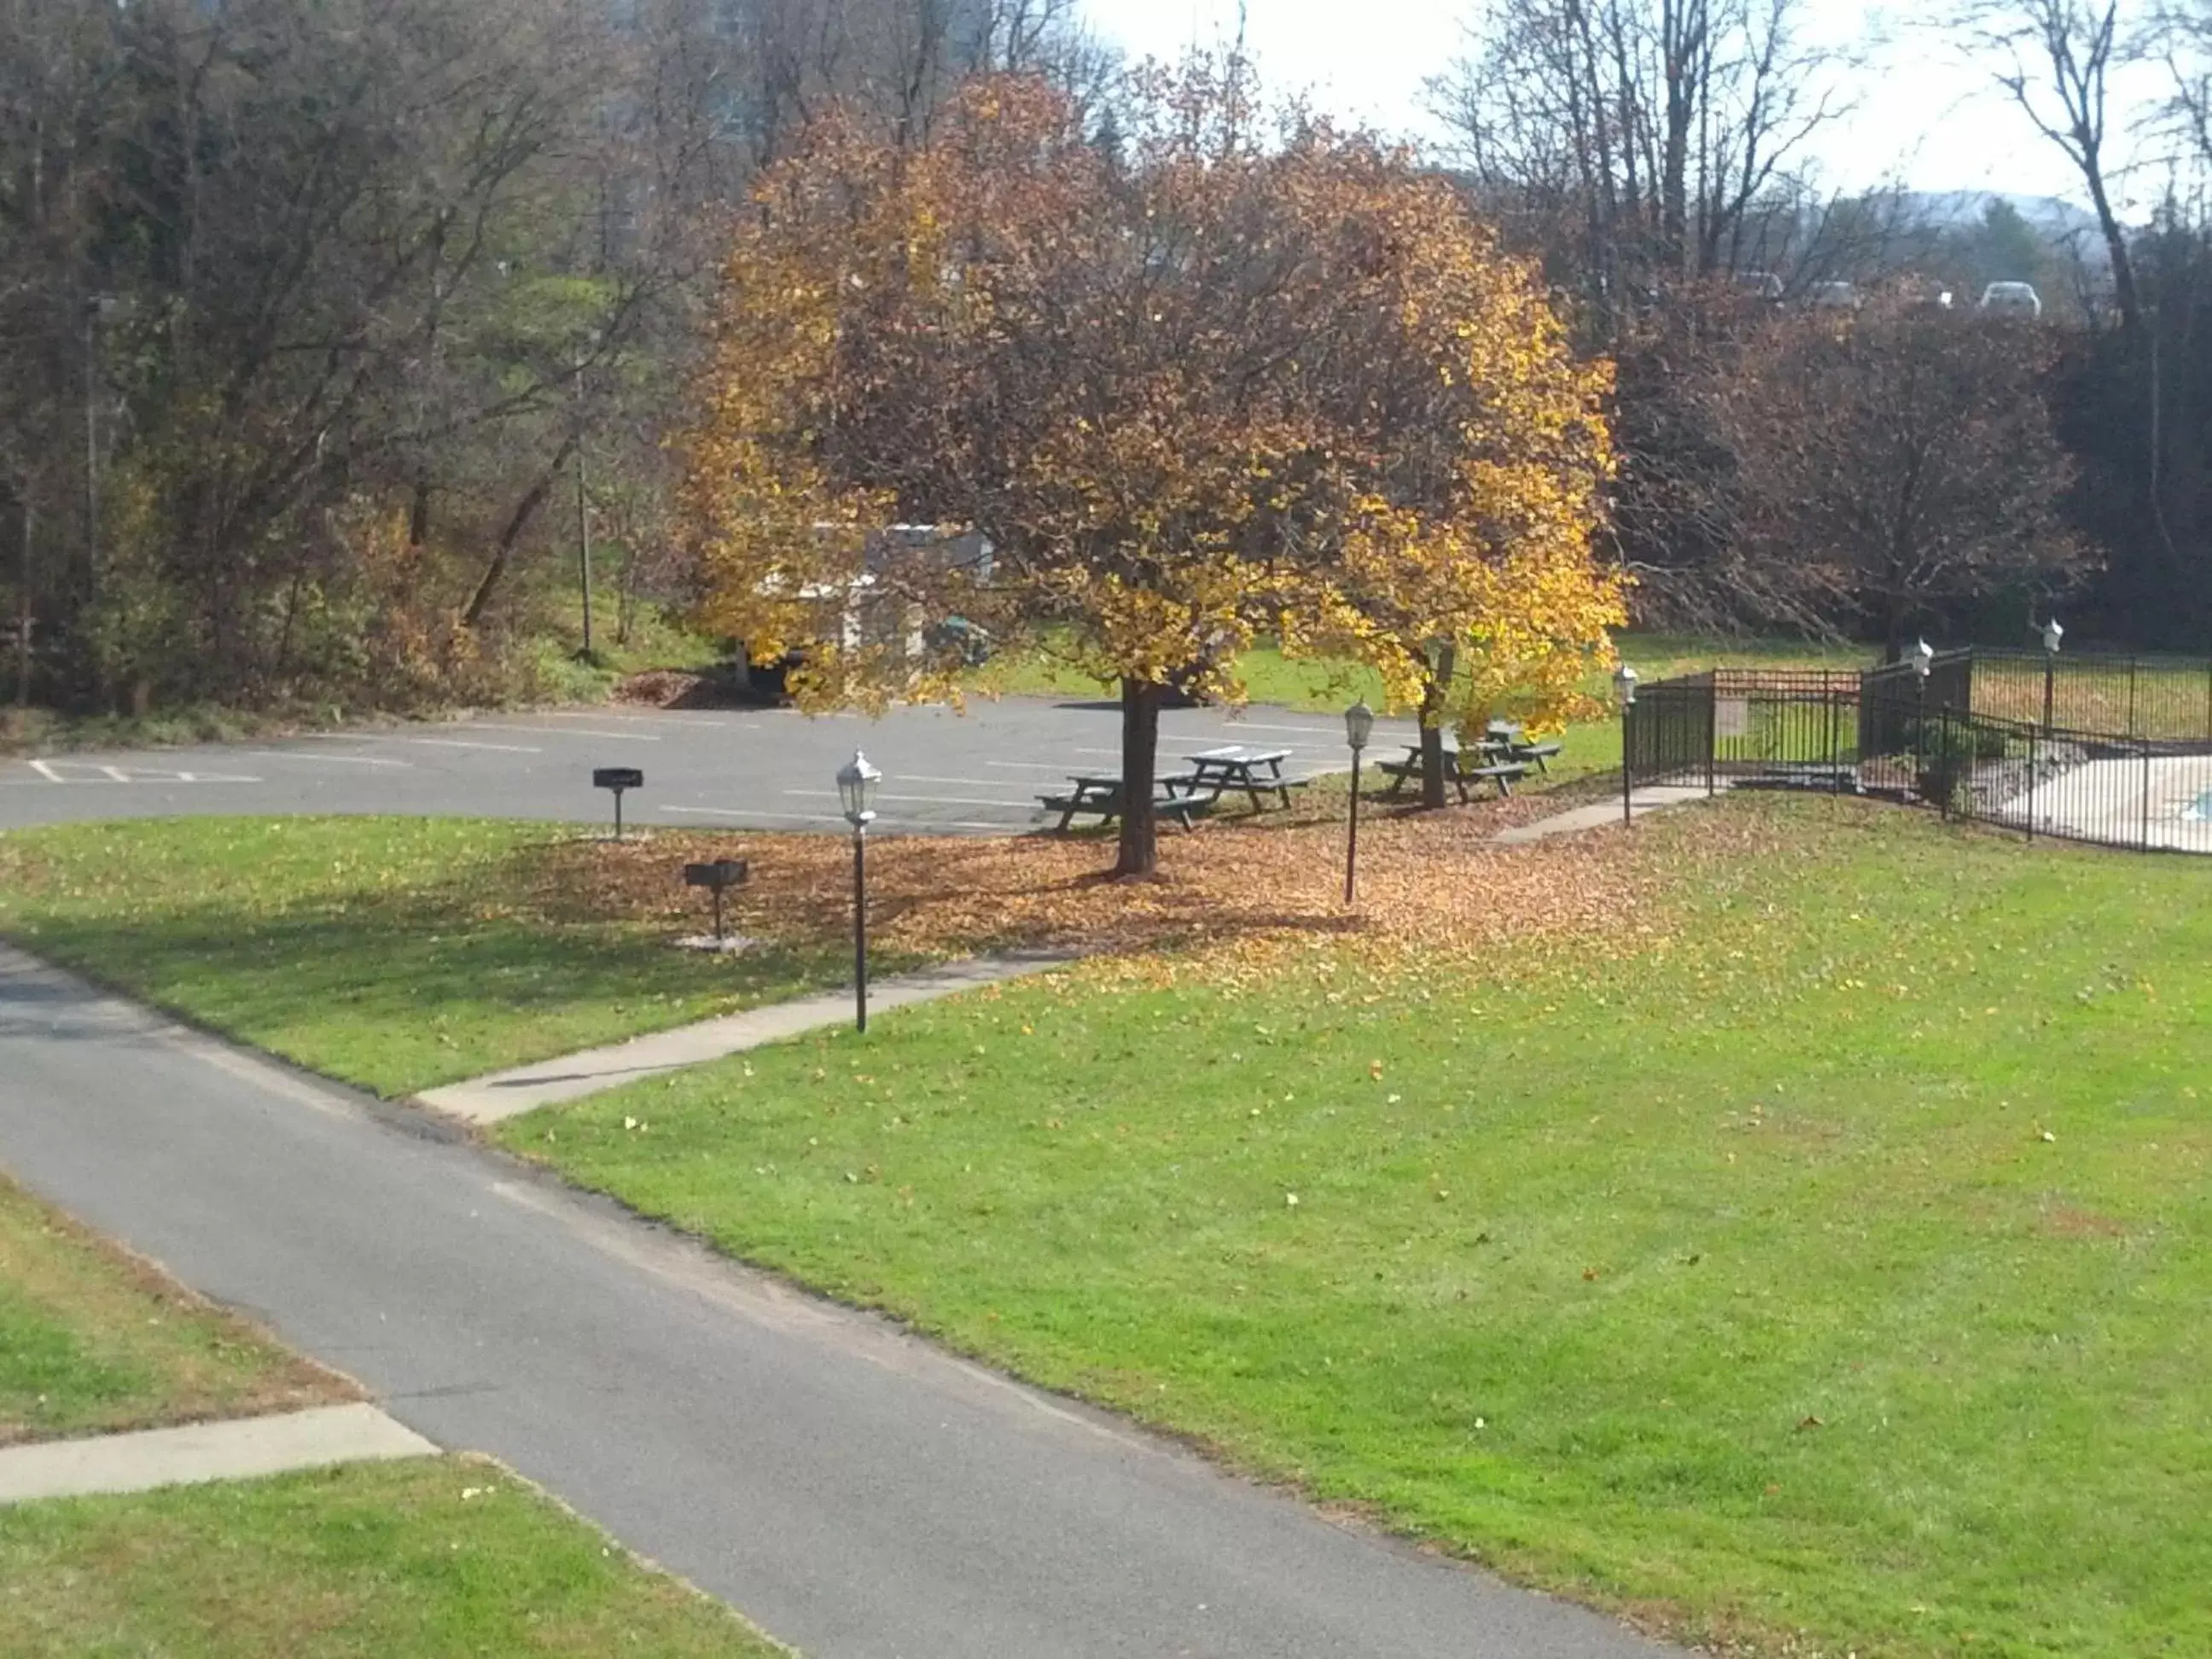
(944, 773)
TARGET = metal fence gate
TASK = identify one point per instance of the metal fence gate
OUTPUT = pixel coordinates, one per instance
(1980, 736)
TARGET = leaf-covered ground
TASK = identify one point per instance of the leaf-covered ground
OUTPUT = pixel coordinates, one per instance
(1811, 1254)
(404, 953)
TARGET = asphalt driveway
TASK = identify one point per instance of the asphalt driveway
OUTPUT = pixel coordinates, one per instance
(944, 773)
(854, 1490)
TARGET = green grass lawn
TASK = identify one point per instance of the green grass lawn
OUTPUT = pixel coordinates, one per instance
(427, 1559)
(396, 953)
(1321, 686)
(93, 1341)
(1825, 1268)
(1317, 687)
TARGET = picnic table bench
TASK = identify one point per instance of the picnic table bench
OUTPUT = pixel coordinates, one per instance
(1489, 767)
(1505, 737)
(1100, 795)
(1255, 772)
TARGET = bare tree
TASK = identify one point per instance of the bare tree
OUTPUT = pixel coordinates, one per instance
(2056, 57)
(1894, 462)
(1635, 138)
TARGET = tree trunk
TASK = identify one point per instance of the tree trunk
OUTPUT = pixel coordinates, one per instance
(1445, 662)
(418, 513)
(1140, 743)
(517, 522)
(24, 616)
(1892, 628)
(2115, 246)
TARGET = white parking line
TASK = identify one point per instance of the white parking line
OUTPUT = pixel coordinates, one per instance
(654, 720)
(563, 732)
(973, 783)
(343, 737)
(933, 800)
(1310, 731)
(326, 760)
(737, 813)
(1294, 750)
(456, 743)
(99, 772)
(831, 817)
(1030, 766)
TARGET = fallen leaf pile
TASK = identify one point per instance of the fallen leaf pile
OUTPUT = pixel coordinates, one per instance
(1236, 891)
(676, 688)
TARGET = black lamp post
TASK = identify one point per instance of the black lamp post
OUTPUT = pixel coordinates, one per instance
(1923, 659)
(1358, 724)
(2052, 633)
(1623, 681)
(856, 793)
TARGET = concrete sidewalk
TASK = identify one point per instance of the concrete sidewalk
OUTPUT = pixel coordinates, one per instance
(1597, 815)
(237, 1449)
(854, 1490)
(571, 1077)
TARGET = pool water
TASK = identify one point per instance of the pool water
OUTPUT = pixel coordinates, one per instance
(2200, 809)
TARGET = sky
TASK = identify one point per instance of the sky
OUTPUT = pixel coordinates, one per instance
(1925, 112)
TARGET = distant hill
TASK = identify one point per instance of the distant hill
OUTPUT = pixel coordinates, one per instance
(2063, 223)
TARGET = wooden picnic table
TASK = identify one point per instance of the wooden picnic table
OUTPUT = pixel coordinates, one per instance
(1256, 772)
(1514, 745)
(1100, 794)
(1495, 762)
(1501, 741)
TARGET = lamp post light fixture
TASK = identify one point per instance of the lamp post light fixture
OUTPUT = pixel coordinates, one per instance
(2052, 633)
(1923, 658)
(1623, 681)
(856, 793)
(1358, 726)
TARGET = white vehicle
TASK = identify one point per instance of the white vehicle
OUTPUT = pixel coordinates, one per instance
(1835, 296)
(2012, 300)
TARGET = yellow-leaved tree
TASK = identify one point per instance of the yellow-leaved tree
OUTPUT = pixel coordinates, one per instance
(1224, 375)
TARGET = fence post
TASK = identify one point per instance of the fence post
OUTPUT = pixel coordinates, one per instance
(1627, 763)
(2145, 795)
(1712, 735)
(2131, 695)
(1835, 749)
(1945, 747)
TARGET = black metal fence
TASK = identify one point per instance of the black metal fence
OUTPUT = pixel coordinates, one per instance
(2131, 766)
(2147, 795)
